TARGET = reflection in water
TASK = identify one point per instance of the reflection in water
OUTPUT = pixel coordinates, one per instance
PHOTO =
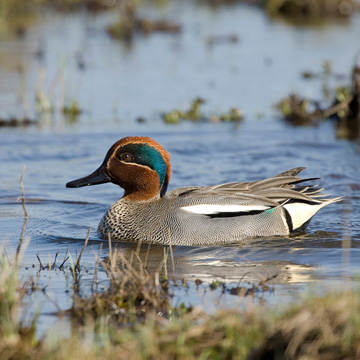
(229, 265)
(348, 128)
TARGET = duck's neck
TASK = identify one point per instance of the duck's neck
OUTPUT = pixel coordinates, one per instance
(141, 187)
(140, 195)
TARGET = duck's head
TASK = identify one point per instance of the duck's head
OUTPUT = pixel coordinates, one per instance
(138, 164)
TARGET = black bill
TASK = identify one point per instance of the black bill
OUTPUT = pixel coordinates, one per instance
(99, 176)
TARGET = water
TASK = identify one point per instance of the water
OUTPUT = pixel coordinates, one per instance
(117, 84)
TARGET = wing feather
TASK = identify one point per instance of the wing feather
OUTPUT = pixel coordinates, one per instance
(269, 193)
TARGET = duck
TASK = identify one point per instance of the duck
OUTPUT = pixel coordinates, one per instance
(220, 214)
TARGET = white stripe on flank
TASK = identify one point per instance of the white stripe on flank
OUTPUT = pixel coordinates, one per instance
(300, 213)
(209, 209)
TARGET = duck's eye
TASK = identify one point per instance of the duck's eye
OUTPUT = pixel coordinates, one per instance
(126, 157)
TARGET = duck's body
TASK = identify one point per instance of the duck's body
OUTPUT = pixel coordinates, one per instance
(220, 214)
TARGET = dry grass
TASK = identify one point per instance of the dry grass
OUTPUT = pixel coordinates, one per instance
(228, 335)
(16, 337)
(320, 328)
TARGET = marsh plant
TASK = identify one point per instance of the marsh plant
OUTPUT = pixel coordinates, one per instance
(311, 9)
(344, 106)
(194, 113)
(133, 294)
(17, 336)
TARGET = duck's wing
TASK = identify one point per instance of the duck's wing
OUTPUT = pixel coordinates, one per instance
(282, 199)
(274, 190)
(252, 197)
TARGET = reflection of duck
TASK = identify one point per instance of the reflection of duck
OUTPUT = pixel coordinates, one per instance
(219, 214)
(226, 264)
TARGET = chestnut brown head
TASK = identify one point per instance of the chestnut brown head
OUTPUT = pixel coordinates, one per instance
(139, 165)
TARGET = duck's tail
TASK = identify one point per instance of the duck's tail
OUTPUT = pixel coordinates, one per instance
(299, 213)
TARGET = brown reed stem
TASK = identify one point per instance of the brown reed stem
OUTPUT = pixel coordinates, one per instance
(77, 265)
(23, 192)
(25, 214)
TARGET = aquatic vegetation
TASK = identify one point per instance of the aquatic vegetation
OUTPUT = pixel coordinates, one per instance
(133, 292)
(125, 29)
(347, 97)
(344, 109)
(300, 9)
(16, 122)
(72, 112)
(324, 74)
(233, 115)
(194, 114)
(129, 23)
(310, 9)
(147, 26)
(44, 106)
(53, 102)
(298, 111)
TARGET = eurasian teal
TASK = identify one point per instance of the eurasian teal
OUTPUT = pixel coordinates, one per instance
(192, 215)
